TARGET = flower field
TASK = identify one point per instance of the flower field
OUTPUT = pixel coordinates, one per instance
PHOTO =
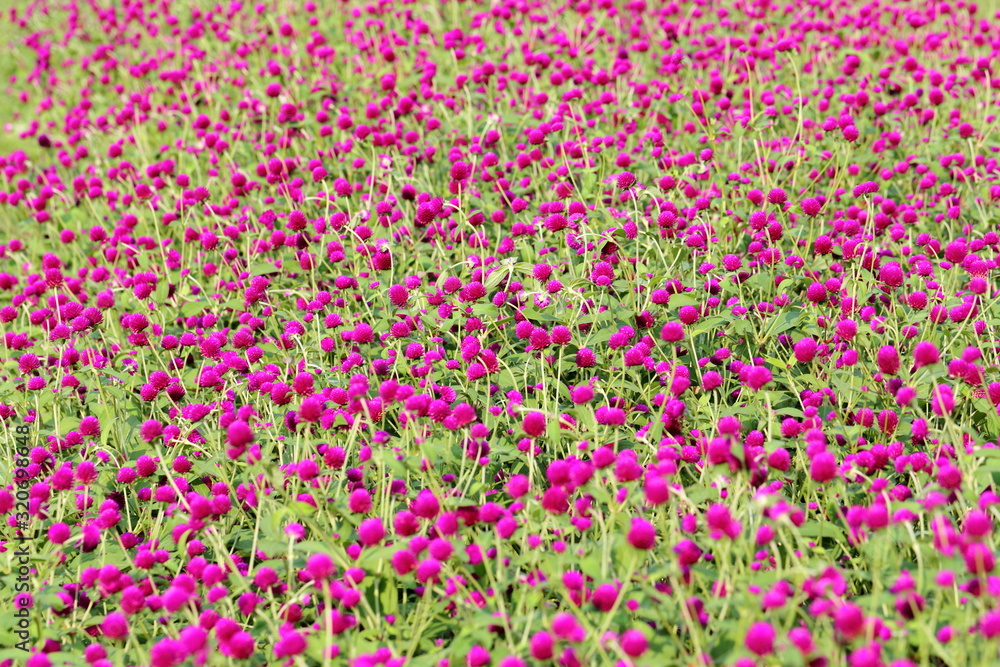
(466, 333)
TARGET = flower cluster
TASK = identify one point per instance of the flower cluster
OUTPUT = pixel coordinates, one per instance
(515, 333)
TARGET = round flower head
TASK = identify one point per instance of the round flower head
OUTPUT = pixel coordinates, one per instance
(320, 567)
(823, 467)
(371, 531)
(816, 293)
(866, 188)
(847, 329)
(517, 486)
(460, 171)
(760, 638)
(672, 332)
(561, 334)
(849, 620)
(942, 400)
(811, 206)
(757, 377)
(240, 646)
(888, 360)
(950, 477)
(566, 627)
(360, 501)
(115, 626)
(581, 394)
(633, 643)
(777, 196)
(805, 350)
(625, 180)
(404, 562)
(542, 645)
(642, 535)
(585, 358)
(238, 434)
(534, 424)
(925, 353)
(718, 519)
(604, 597)
(891, 274)
(977, 524)
(426, 504)
(398, 295)
(477, 657)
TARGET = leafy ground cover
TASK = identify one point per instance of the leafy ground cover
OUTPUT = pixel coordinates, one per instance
(504, 333)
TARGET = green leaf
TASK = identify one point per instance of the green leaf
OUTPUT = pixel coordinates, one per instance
(262, 268)
(782, 322)
(817, 529)
(679, 300)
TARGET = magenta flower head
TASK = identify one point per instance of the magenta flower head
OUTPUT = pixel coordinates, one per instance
(360, 501)
(989, 625)
(542, 645)
(477, 657)
(426, 505)
(802, 639)
(925, 354)
(977, 525)
(888, 360)
(633, 643)
(866, 188)
(581, 394)
(604, 597)
(566, 627)
(561, 335)
(166, 653)
(398, 295)
(816, 293)
(823, 467)
(517, 486)
(625, 180)
(672, 332)
(943, 400)
(240, 645)
(534, 424)
(711, 380)
(949, 477)
(805, 350)
(756, 377)
(891, 273)
(115, 626)
(721, 522)
(460, 171)
(239, 435)
(811, 206)
(979, 559)
(150, 430)
(320, 567)
(777, 196)
(585, 358)
(371, 531)
(849, 620)
(760, 638)
(642, 534)
(847, 329)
